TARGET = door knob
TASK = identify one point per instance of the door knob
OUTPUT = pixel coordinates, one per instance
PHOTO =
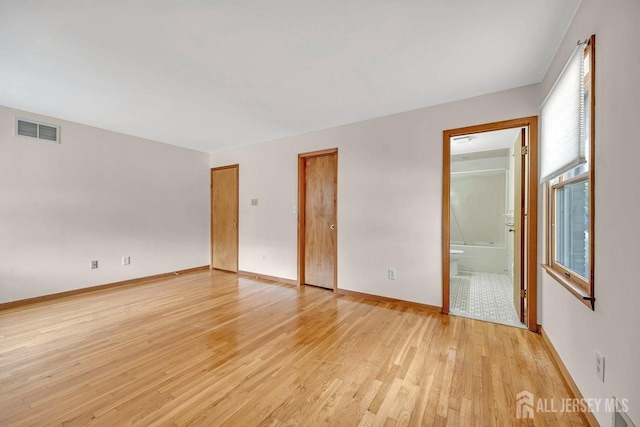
(233, 225)
(511, 230)
(333, 227)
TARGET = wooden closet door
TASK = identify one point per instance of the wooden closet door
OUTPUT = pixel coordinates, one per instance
(224, 218)
(320, 220)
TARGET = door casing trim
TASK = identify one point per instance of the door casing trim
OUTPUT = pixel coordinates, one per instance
(531, 227)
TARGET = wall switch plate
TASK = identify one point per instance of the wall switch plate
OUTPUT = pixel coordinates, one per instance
(94, 264)
(600, 366)
(392, 274)
(254, 202)
(294, 209)
(126, 260)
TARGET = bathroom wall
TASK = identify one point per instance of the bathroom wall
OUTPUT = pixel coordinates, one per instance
(497, 159)
(479, 193)
(478, 205)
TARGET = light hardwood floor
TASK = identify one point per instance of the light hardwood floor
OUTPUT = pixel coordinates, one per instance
(210, 348)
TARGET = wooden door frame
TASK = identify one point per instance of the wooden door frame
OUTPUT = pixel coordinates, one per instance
(237, 168)
(302, 197)
(521, 221)
(531, 227)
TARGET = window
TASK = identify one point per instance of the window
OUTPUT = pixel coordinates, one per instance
(570, 193)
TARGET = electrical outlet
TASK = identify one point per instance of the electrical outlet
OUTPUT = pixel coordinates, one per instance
(392, 274)
(94, 264)
(254, 202)
(126, 260)
(600, 366)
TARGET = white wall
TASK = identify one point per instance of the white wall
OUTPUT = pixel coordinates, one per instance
(479, 202)
(577, 332)
(99, 195)
(389, 195)
(489, 163)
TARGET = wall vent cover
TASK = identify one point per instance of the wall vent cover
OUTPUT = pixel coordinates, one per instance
(30, 129)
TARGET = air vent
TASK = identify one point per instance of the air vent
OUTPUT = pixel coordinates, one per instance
(31, 129)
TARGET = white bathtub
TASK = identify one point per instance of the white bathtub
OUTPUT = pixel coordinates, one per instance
(490, 259)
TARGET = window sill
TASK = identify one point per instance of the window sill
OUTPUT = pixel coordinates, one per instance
(573, 289)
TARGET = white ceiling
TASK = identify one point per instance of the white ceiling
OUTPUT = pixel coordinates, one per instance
(485, 141)
(216, 74)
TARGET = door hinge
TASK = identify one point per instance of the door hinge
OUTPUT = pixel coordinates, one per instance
(523, 293)
(525, 150)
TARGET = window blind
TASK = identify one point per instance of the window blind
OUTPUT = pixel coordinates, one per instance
(562, 121)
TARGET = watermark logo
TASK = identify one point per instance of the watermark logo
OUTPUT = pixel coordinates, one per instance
(524, 405)
(527, 405)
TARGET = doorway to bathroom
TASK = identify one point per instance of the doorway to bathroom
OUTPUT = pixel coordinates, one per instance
(489, 237)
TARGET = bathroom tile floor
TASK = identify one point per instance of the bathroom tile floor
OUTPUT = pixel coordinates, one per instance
(483, 296)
